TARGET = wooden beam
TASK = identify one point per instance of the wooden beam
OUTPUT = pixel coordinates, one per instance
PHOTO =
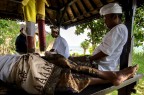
(49, 19)
(16, 1)
(94, 16)
(68, 4)
(78, 22)
(61, 17)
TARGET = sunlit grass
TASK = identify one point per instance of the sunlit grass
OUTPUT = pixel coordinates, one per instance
(138, 58)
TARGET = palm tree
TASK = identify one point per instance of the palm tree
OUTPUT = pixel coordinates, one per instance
(85, 46)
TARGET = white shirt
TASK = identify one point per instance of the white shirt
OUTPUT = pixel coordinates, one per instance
(112, 45)
(61, 46)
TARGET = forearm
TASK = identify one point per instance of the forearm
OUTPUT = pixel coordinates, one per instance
(98, 56)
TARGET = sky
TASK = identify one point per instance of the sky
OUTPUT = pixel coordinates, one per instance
(71, 38)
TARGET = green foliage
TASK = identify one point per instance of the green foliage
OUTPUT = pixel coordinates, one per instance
(92, 48)
(9, 30)
(97, 30)
(49, 39)
(139, 88)
(139, 26)
(85, 44)
(138, 59)
(8, 33)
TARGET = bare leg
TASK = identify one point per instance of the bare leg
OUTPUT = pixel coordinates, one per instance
(108, 76)
(115, 77)
(95, 81)
(125, 74)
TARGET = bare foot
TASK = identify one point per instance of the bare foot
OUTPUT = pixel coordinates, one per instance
(125, 74)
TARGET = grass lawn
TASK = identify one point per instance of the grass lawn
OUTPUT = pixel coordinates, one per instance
(137, 59)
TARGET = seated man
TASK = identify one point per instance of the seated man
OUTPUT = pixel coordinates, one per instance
(107, 55)
(60, 45)
(38, 76)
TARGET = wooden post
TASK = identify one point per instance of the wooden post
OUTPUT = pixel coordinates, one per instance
(41, 24)
(42, 35)
(126, 55)
(30, 30)
(129, 19)
(29, 11)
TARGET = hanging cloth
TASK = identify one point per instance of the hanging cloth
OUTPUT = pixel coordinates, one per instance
(29, 10)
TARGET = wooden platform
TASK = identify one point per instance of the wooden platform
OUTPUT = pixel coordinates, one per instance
(105, 88)
(91, 90)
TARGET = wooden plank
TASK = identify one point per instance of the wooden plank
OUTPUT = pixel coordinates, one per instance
(125, 83)
(102, 89)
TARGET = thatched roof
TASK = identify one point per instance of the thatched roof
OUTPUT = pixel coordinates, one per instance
(62, 12)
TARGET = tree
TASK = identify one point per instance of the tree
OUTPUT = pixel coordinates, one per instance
(85, 46)
(9, 31)
(49, 41)
(97, 30)
(139, 26)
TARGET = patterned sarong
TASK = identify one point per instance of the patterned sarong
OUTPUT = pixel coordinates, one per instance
(76, 77)
(38, 76)
(32, 74)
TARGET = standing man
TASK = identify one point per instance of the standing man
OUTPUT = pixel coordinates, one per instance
(60, 45)
(21, 43)
(107, 54)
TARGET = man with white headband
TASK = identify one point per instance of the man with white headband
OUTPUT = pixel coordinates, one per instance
(107, 54)
(60, 45)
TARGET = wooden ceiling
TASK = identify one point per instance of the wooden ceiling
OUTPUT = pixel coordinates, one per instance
(65, 13)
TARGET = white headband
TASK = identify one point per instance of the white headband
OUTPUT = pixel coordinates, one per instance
(111, 8)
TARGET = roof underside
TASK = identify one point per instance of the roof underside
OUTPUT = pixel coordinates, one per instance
(65, 13)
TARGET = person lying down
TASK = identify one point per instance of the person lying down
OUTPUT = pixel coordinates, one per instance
(37, 75)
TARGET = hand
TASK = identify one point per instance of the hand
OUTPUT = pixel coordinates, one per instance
(48, 54)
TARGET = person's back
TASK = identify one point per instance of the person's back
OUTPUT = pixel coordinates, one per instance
(21, 46)
(61, 46)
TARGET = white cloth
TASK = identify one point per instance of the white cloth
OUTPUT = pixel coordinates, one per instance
(61, 46)
(112, 45)
(6, 64)
(111, 8)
